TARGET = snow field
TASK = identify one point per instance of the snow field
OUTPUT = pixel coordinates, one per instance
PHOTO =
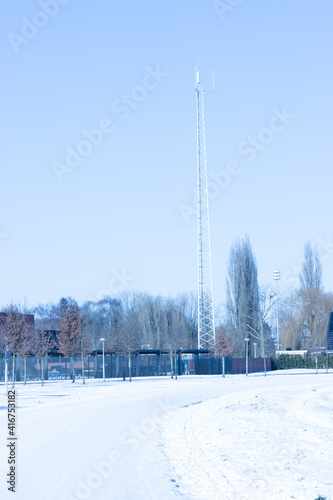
(197, 437)
(273, 439)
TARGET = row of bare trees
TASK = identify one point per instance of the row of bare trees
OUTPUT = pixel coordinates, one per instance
(132, 321)
(136, 320)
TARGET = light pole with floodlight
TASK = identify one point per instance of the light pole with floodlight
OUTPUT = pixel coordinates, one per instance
(103, 340)
(247, 355)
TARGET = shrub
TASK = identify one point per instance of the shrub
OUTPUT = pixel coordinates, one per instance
(287, 361)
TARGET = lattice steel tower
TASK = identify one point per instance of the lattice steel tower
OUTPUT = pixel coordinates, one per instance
(206, 326)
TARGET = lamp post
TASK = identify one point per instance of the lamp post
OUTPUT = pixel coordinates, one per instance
(6, 370)
(277, 276)
(276, 348)
(255, 349)
(103, 340)
(247, 355)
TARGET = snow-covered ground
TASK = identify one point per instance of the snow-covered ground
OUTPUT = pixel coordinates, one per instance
(271, 438)
(198, 437)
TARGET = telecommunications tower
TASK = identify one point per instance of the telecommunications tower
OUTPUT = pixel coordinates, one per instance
(206, 326)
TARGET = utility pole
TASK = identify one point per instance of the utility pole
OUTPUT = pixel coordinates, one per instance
(206, 325)
(277, 276)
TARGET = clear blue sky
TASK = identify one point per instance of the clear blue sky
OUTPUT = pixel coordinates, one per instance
(119, 211)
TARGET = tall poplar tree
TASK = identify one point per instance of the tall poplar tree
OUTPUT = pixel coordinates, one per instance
(242, 294)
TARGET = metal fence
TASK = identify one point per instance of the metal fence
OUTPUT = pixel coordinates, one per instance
(116, 366)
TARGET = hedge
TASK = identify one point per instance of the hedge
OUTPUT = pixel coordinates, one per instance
(286, 361)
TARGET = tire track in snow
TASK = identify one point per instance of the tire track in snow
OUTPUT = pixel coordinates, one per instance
(246, 445)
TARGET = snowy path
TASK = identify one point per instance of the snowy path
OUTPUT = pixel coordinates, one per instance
(97, 441)
(196, 438)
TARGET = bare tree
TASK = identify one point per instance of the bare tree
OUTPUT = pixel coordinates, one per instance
(72, 341)
(43, 345)
(25, 349)
(311, 274)
(27, 341)
(175, 333)
(242, 293)
(48, 316)
(128, 339)
(188, 306)
(14, 335)
(262, 331)
(304, 312)
(222, 347)
(310, 292)
(304, 318)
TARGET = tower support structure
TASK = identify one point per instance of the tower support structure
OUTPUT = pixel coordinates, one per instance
(206, 324)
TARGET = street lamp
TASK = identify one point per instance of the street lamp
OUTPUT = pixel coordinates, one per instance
(103, 340)
(6, 370)
(277, 276)
(255, 349)
(247, 355)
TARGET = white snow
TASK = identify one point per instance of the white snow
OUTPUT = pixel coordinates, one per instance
(265, 438)
(198, 437)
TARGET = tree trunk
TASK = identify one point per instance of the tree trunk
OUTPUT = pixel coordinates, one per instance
(130, 366)
(176, 366)
(171, 363)
(124, 368)
(42, 368)
(73, 369)
(83, 379)
(13, 376)
(262, 339)
(6, 373)
(223, 366)
(264, 347)
(25, 370)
